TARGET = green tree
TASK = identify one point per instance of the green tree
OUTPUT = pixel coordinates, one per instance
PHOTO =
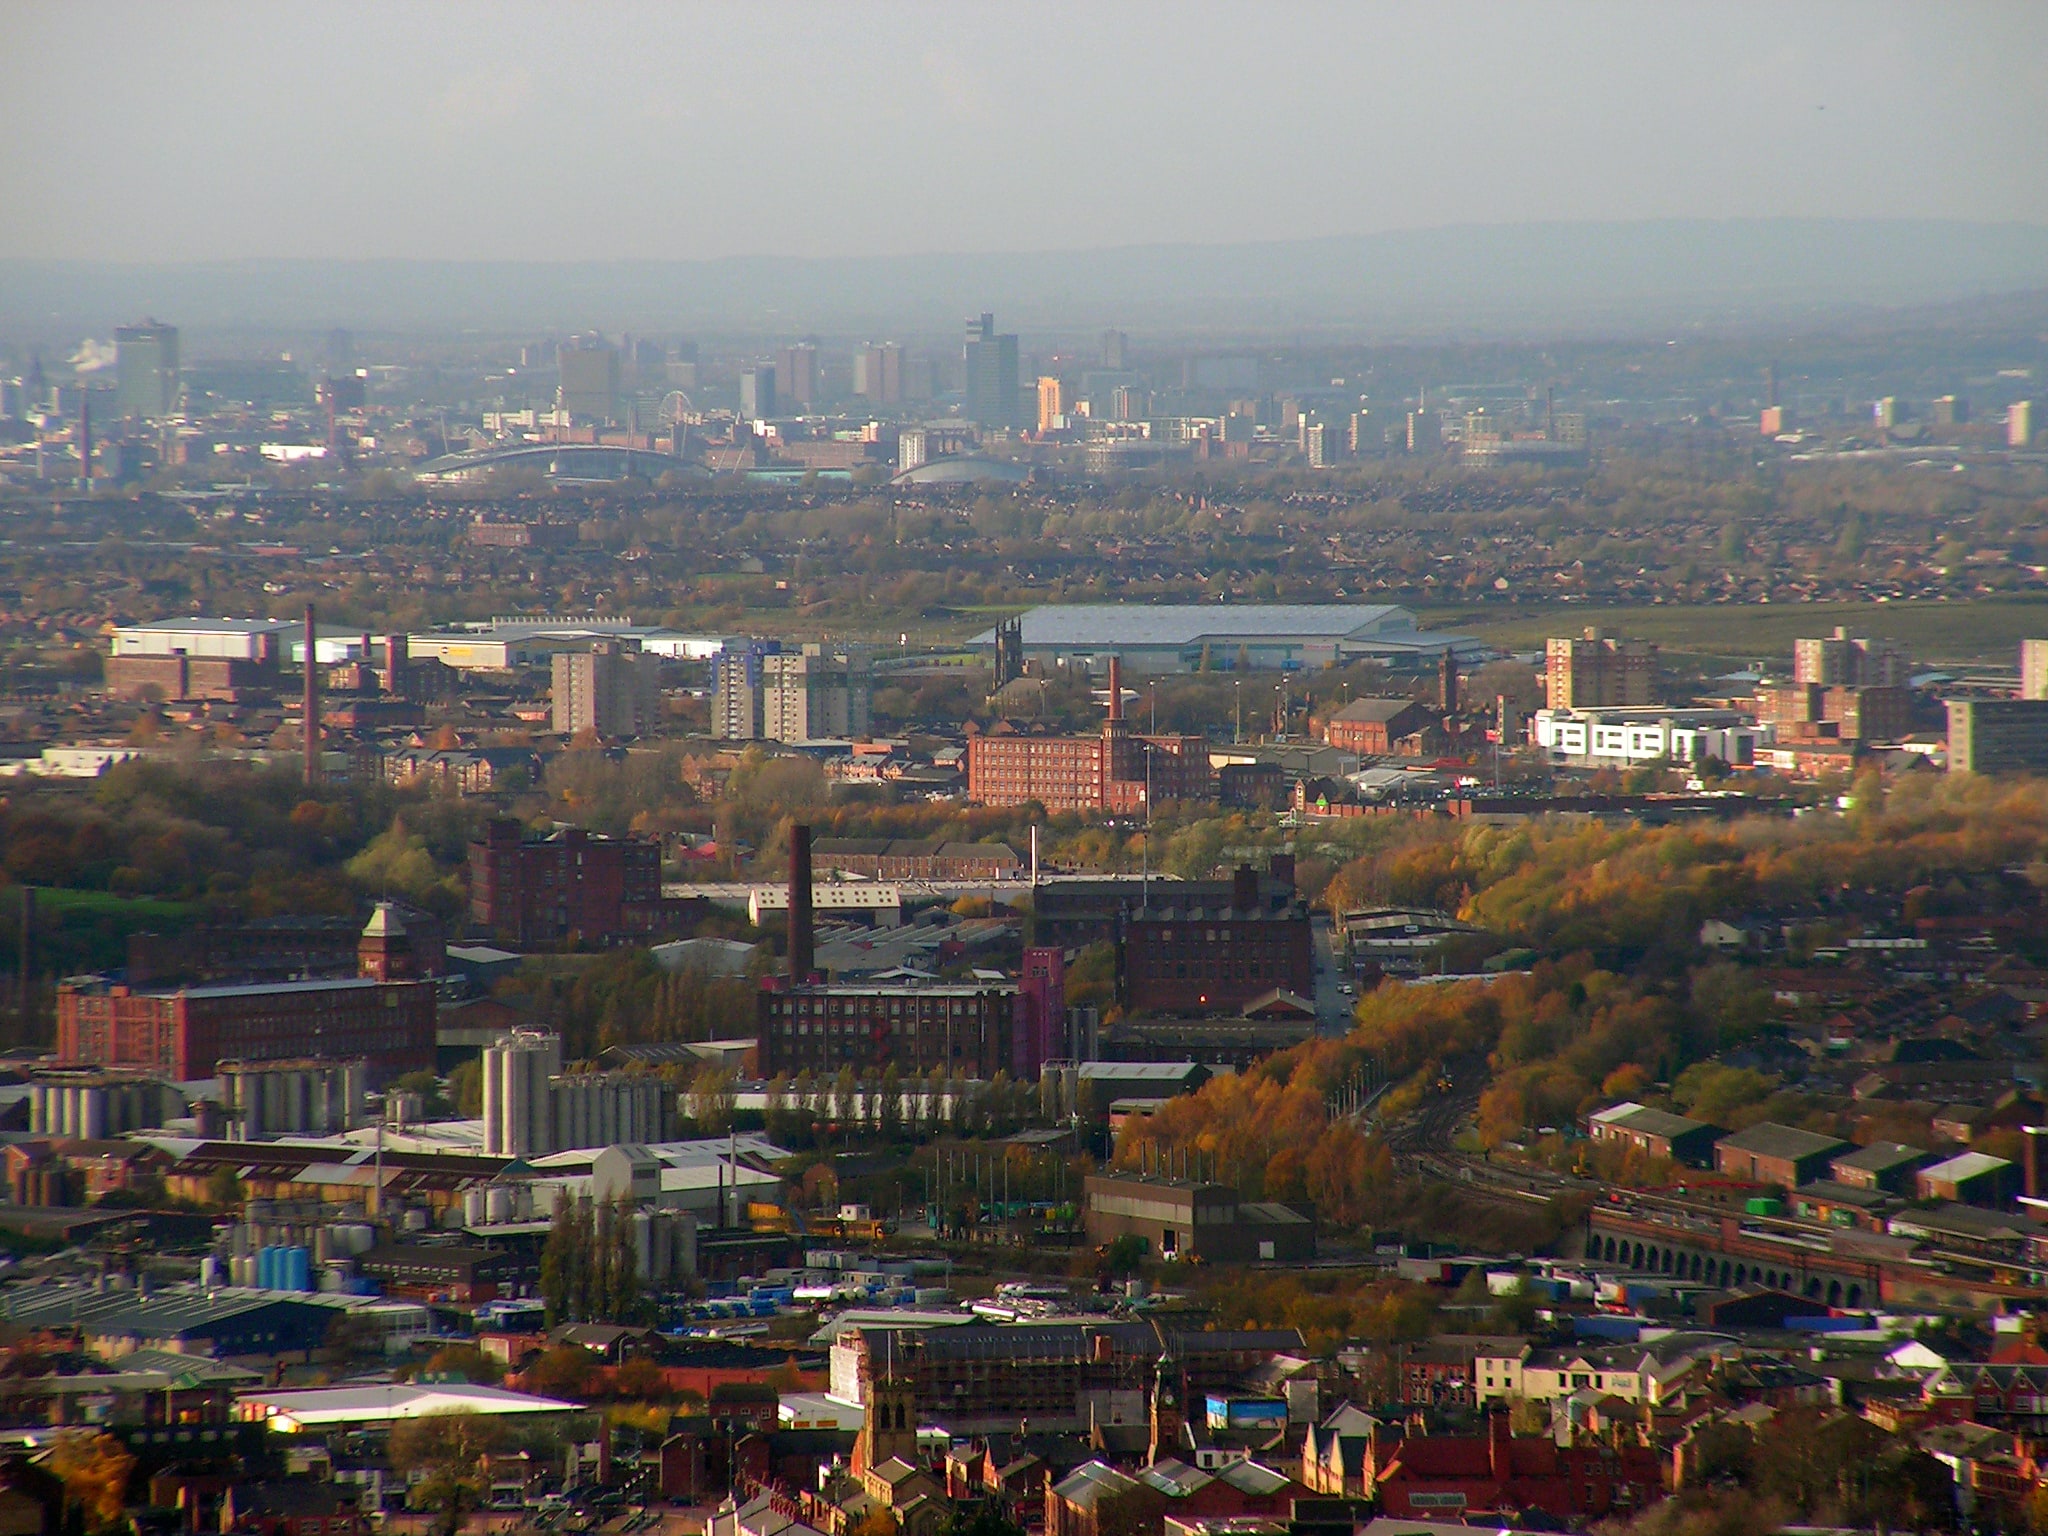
(561, 1260)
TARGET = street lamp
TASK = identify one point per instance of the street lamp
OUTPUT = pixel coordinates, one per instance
(1237, 734)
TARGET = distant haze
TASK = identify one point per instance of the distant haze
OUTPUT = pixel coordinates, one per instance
(144, 132)
(1512, 279)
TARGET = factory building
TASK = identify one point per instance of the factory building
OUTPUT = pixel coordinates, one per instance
(1188, 637)
(532, 1107)
(224, 659)
(303, 1097)
(89, 1105)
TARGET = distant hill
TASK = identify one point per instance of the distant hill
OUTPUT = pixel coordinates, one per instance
(1496, 278)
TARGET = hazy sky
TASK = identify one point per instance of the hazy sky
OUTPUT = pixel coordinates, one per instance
(150, 131)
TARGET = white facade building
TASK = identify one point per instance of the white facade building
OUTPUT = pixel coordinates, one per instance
(1626, 737)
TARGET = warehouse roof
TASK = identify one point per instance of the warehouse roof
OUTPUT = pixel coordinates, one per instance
(199, 626)
(1768, 1140)
(383, 1403)
(1880, 1157)
(1110, 624)
(160, 1314)
(1965, 1165)
(1654, 1122)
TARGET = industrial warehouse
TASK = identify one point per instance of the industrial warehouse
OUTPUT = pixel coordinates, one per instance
(1224, 637)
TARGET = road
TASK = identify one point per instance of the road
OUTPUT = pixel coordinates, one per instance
(1333, 1005)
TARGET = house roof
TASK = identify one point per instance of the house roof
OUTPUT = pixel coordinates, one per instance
(1091, 1482)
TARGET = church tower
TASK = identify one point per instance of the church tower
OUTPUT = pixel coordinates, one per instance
(1168, 1417)
(890, 1428)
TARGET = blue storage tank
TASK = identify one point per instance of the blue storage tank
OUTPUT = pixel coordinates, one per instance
(266, 1267)
(298, 1270)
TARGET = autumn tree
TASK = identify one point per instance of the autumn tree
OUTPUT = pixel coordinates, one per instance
(94, 1468)
(447, 1454)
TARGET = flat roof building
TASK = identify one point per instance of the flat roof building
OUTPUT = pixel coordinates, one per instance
(1176, 637)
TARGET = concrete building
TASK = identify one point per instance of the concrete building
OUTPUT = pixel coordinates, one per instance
(817, 693)
(757, 394)
(1051, 410)
(588, 371)
(1845, 660)
(1598, 671)
(878, 373)
(2034, 669)
(1997, 735)
(146, 368)
(197, 658)
(610, 689)
(990, 396)
(1838, 712)
(2019, 424)
(796, 377)
(736, 690)
(303, 1097)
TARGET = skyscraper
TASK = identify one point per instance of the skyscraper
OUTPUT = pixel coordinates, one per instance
(796, 376)
(146, 370)
(589, 377)
(2019, 424)
(1050, 412)
(991, 373)
(1115, 347)
(757, 393)
(878, 373)
(607, 689)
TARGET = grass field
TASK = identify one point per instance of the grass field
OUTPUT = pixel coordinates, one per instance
(1985, 631)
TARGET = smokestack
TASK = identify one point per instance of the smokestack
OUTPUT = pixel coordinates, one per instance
(310, 713)
(1116, 688)
(801, 959)
(1447, 681)
(85, 439)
